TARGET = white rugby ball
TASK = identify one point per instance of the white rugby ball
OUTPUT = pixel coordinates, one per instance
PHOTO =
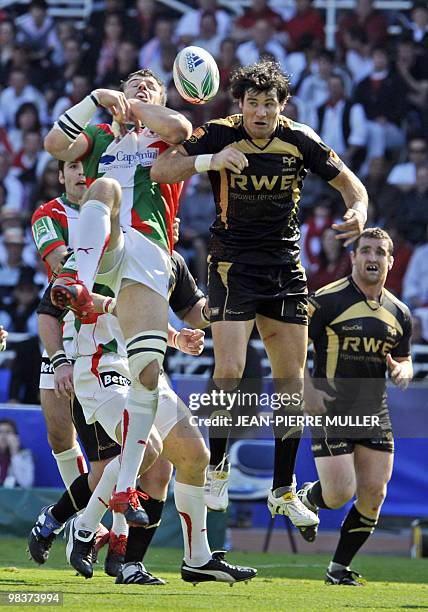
(196, 75)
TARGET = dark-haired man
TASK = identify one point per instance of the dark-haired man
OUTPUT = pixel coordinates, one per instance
(359, 330)
(257, 161)
(54, 227)
(118, 160)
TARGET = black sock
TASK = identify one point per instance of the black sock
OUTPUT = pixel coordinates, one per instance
(315, 497)
(285, 459)
(355, 530)
(75, 498)
(139, 539)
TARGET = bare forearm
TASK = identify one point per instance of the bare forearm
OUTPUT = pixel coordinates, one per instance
(197, 317)
(172, 167)
(350, 187)
(50, 332)
(169, 124)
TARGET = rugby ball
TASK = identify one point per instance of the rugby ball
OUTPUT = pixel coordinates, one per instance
(196, 75)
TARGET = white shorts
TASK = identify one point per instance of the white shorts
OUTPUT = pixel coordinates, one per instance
(136, 259)
(46, 368)
(102, 388)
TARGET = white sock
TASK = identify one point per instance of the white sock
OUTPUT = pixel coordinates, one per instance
(98, 504)
(92, 239)
(71, 464)
(120, 526)
(189, 501)
(137, 420)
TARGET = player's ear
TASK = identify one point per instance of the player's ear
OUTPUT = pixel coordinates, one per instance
(390, 262)
(61, 178)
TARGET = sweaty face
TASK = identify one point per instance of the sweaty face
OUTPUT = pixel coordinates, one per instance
(74, 181)
(371, 261)
(260, 111)
(146, 89)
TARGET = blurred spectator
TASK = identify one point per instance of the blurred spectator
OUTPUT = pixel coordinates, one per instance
(418, 332)
(403, 175)
(19, 316)
(168, 55)
(14, 189)
(311, 232)
(80, 87)
(258, 10)
(227, 62)
(314, 89)
(19, 91)
(358, 58)
(144, 17)
(125, 63)
(385, 198)
(342, 124)
(383, 97)
(7, 42)
(402, 254)
(95, 29)
(12, 262)
(261, 45)
(299, 63)
(373, 22)
(103, 55)
(189, 25)
(413, 211)
(306, 20)
(49, 186)
(415, 282)
(149, 55)
(25, 161)
(418, 24)
(334, 261)
(209, 38)
(73, 63)
(16, 463)
(197, 213)
(413, 69)
(26, 120)
(36, 30)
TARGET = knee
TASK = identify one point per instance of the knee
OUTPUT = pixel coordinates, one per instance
(372, 495)
(153, 450)
(195, 460)
(338, 496)
(97, 469)
(149, 376)
(60, 439)
(107, 190)
(228, 373)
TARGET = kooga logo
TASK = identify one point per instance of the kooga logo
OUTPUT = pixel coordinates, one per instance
(107, 159)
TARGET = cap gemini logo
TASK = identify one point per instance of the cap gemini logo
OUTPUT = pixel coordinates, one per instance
(124, 159)
(193, 61)
(114, 378)
(44, 231)
(106, 160)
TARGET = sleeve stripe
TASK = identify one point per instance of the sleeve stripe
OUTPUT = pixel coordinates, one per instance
(76, 125)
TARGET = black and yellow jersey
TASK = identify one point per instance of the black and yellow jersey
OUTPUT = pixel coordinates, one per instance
(352, 337)
(257, 210)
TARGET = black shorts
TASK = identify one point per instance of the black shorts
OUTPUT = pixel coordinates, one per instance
(97, 443)
(325, 447)
(237, 292)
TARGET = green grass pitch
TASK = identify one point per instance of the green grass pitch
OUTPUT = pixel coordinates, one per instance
(285, 582)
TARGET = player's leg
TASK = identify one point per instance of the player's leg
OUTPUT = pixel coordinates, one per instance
(230, 340)
(373, 469)
(143, 317)
(281, 338)
(61, 433)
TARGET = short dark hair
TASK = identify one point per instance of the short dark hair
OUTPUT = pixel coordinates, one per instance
(61, 164)
(11, 423)
(378, 234)
(146, 72)
(262, 76)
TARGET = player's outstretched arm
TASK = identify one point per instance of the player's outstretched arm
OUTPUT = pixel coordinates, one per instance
(172, 126)
(356, 199)
(65, 140)
(176, 165)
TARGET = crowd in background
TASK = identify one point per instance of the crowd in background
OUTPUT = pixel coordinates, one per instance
(368, 99)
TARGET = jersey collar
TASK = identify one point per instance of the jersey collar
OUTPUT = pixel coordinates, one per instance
(68, 203)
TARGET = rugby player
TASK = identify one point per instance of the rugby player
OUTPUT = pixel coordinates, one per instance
(54, 226)
(120, 164)
(359, 331)
(101, 378)
(257, 161)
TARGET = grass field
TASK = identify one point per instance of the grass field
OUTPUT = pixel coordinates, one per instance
(284, 582)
